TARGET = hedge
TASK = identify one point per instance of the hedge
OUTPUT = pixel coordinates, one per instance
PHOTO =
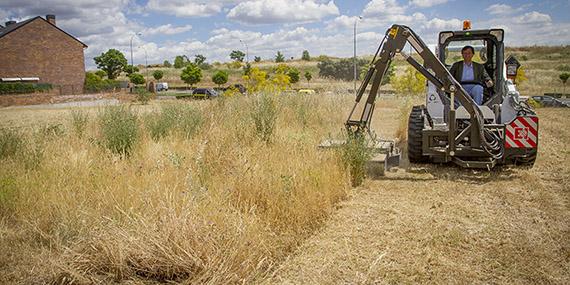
(21, 88)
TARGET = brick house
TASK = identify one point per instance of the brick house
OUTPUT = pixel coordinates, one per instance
(38, 48)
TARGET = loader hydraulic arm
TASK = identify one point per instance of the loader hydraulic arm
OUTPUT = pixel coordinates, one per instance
(432, 68)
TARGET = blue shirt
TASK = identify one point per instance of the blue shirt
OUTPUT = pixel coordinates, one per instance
(467, 72)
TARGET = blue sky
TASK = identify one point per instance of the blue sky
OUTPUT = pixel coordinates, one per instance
(215, 27)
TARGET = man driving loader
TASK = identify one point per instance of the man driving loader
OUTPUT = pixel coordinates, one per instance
(471, 75)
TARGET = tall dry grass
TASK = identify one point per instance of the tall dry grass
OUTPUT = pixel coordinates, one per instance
(221, 205)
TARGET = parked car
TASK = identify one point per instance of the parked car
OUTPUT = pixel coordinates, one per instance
(204, 93)
(549, 101)
(161, 86)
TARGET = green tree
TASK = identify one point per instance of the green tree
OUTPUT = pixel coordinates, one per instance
(220, 77)
(167, 64)
(158, 74)
(306, 55)
(100, 73)
(112, 62)
(257, 59)
(199, 59)
(308, 76)
(294, 75)
(564, 77)
(411, 82)
(342, 69)
(180, 61)
(137, 78)
(246, 69)
(237, 55)
(191, 75)
(279, 57)
(129, 69)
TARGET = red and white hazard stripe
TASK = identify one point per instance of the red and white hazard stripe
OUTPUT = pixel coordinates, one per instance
(522, 132)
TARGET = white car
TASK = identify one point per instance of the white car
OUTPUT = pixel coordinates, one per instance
(161, 86)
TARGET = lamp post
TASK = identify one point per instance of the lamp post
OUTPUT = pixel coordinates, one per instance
(355, 21)
(246, 51)
(136, 34)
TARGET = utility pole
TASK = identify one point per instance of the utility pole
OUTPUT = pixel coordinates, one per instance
(355, 21)
(246, 51)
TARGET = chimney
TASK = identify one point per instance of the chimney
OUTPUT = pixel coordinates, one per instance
(51, 19)
(10, 23)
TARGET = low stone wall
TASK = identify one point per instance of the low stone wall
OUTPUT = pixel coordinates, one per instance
(50, 98)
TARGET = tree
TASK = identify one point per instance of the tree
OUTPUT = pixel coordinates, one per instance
(158, 74)
(199, 59)
(294, 75)
(279, 57)
(191, 75)
(129, 69)
(137, 78)
(112, 62)
(257, 59)
(342, 69)
(306, 55)
(100, 73)
(564, 77)
(308, 76)
(180, 61)
(220, 77)
(411, 82)
(167, 63)
(237, 55)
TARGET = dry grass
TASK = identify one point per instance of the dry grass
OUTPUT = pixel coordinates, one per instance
(222, 206)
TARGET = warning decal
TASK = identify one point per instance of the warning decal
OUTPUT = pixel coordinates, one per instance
(522, 132)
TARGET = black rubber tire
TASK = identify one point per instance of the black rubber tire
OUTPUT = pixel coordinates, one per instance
(415, 127)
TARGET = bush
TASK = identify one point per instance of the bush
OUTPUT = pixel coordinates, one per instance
(341, 70)
(354, 154)
(79, 121)
(411, 82)
(294, 75)
(22, 88)
(119, 129)
(158, 74)
(220, 77)
(264, 115)
(159, 125)
(94, 83)
(564, 67)
(137, 78)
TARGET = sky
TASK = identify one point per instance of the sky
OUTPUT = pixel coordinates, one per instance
(162, 29)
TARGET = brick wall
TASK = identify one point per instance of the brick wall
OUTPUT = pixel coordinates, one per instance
(38, 49)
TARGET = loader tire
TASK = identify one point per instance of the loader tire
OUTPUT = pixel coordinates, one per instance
(415, 127)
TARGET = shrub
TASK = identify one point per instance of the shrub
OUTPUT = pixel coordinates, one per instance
(137, 78)
(158, 74)
(159, 125)
(119, 129)
(100, 73)
(341, 70)
(411, 82)
(220, 77)
(533, 103)
(191, 75)
(294, 75)
(564, 67)
(11, 141)
(306, 55)
(79, 121)
(279, 57)
(264, 115)
(257, 59)
(354, 154)
(22, 88)
(183, 119)
(52, 130)
(94, 83)
(143, 96)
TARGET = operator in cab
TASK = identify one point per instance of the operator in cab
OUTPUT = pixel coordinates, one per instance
(467, 70)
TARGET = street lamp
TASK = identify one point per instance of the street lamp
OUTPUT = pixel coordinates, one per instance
(136, 34)
(355, 21)
(246, 50)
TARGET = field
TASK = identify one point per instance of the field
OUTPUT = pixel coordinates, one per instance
(234, 190)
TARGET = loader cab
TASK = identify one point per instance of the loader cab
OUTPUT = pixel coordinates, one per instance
(489, 51)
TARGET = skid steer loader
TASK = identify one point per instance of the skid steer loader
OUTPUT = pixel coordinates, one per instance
(451, 126)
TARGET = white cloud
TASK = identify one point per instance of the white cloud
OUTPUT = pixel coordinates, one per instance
(499, 9)
(167, 29)
(281, 11)
(427, 3)
(383, 7)
(186, 8)
(533, 17)
(437, 24)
